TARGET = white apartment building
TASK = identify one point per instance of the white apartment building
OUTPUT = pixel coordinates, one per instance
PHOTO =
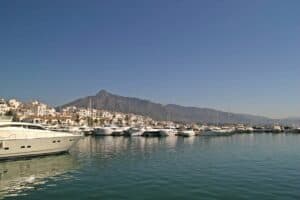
(3, 107)
(13, 103)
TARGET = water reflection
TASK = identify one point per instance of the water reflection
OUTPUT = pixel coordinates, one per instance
(90, 146)
(17, 177)
(113, 167)
(108, 148)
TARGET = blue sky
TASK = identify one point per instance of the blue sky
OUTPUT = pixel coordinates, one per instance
(238, 56)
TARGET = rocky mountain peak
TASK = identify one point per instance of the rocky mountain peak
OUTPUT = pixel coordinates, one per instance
(102, 93)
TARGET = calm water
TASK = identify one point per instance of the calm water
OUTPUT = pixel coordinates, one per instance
(262, 166)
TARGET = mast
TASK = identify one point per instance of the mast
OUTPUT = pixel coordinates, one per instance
(90, 107)
(90, 111)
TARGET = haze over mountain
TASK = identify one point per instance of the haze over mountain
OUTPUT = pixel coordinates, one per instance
(111, 102)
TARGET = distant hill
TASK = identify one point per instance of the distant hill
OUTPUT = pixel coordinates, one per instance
(107, 101)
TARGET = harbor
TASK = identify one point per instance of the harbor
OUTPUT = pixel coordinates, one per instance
(149, 100)
(36, 129)
(97, 122)
(172, 131)
(117, 154)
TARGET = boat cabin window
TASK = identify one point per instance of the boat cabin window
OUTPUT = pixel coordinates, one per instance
(36, 127)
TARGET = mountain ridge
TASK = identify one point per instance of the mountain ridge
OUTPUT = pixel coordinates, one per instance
(112, 102)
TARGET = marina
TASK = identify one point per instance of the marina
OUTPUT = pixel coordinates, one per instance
(149, 100)
(204, 130)
(190, 159)
(24, 139)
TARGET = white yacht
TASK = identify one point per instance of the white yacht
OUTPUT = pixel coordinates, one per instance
(224, 129)
(110, 131)
(156, 132)
(134, 132)
(186, 133)
(240, 128)
(81, 130)
(168, 132)
(276, 129)
(19, 139)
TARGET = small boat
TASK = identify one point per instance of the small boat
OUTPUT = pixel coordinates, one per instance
(134, 132)
(276, 129)
(249, 129)
(240, 128)
(186, 133)
(87, 130)
(102, 131)
(224, 130)
(118, 131)
(155, 132)
(168, 132)
(110, 131)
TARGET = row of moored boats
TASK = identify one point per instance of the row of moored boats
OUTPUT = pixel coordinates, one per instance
(172, 131)
(18, 139)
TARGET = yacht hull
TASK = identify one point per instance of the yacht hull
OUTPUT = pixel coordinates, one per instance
(186, 133)
(14, 148)
(103, 132)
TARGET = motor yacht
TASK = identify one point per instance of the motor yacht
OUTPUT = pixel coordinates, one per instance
(277, 129)
(109, 131)
(18, 139)
(224, 130)
(152, 132)
(168, 132)
(186, 133)
(134, 132)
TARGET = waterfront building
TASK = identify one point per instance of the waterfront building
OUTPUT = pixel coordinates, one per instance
(14, 104)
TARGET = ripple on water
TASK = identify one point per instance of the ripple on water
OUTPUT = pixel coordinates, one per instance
(262, 166)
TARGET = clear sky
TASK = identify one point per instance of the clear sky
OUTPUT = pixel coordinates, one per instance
(238, 56)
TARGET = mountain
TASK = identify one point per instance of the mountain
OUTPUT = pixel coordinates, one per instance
(111, 102)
